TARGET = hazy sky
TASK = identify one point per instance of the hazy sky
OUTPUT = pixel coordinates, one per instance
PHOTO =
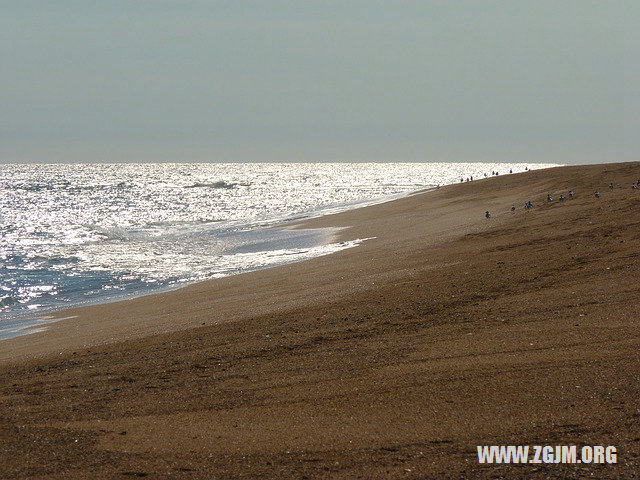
(155, 80)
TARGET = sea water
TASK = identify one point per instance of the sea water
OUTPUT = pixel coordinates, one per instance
(75, 234)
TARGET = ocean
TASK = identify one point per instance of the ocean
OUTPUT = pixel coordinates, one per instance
(78, 234)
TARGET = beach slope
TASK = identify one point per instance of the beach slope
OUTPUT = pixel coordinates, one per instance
(394, 359)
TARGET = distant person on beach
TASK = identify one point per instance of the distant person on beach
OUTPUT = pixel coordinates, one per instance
(634, 186)
(570, 193)
(487, 214)
(513, 208)
(597, 194)
(561, 198)
(611, 186)
(511, 170)
(549, 198)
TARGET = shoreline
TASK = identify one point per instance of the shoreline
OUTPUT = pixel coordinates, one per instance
(294, 222)
(394, 359)
(321, 221)
(151, 255)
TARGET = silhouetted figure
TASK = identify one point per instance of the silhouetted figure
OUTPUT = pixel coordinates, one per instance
(549, 198)
(561, 198)
(570, 193)
(511, 170)
(513, 208)
(487, 214)
(597, 194)
(611, 186)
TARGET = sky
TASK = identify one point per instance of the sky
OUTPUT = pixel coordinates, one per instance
(245, 81)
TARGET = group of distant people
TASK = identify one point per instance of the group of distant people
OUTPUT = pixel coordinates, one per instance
(634, 186)
(494, 173)
(561, 197)
(528, 205)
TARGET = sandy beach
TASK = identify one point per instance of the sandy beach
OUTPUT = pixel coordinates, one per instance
(394, 359)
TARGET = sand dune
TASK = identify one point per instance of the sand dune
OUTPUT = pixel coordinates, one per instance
(394, 359)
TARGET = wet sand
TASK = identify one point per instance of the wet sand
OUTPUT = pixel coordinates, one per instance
(394, 359)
